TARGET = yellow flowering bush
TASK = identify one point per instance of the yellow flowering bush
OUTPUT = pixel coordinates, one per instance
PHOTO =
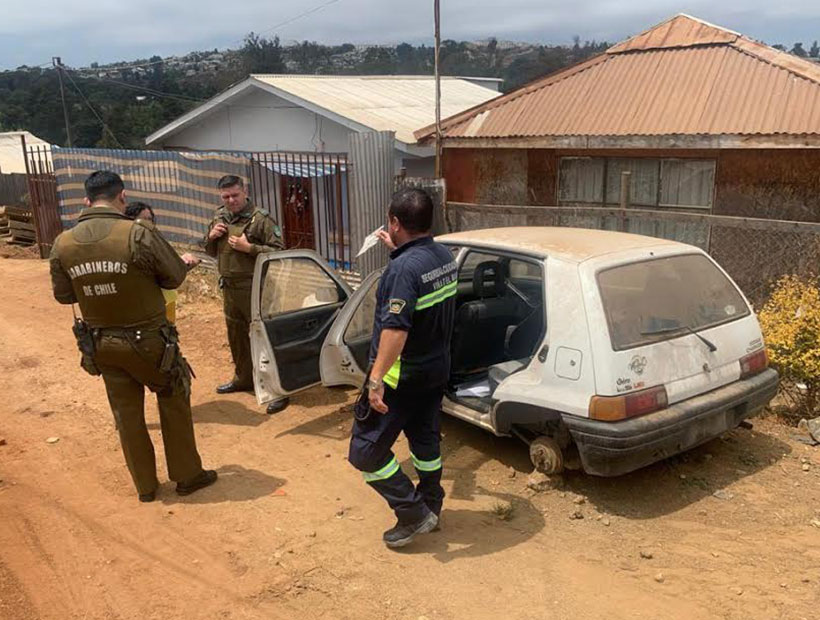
(791, 327)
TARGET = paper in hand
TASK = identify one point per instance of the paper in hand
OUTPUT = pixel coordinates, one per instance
(369, 241)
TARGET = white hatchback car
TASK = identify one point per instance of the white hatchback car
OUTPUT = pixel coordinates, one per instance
(601, 350)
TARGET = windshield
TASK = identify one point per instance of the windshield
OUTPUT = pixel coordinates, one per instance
(666, 298)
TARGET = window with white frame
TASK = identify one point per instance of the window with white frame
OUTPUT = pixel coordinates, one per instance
(654, 182)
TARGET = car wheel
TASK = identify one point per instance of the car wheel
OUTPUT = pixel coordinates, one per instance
(545, 454)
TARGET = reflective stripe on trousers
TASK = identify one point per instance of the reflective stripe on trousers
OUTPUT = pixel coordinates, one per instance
(384, 473)
(420, 465)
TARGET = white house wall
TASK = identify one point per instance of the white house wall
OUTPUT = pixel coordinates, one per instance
(261, 121)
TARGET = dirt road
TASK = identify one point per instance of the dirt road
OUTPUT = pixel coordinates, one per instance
(290, 530)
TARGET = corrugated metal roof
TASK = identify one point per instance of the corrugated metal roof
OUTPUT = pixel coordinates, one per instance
(679, 31)
(399, 103)
(11, 150)
(683, 77)
(384, 103)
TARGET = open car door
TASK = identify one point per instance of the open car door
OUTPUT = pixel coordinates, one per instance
(295, 300)
(346, 350)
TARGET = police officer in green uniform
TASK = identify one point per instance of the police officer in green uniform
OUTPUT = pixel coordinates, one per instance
(114, 268)
(238, 233)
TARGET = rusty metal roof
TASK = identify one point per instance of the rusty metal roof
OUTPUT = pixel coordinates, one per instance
(679, 31)
(683, 78)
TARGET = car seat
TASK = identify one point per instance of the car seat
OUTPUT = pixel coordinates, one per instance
(479, 336)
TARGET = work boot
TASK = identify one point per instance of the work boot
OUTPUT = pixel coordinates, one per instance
(402, 535)
(231, 387)
(204, 479)
(148, 497)
(277, 406)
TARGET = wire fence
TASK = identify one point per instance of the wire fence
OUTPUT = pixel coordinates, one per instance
(306, 193)
(756, 253)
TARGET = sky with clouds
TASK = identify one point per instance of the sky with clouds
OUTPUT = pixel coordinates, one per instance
(83, 31)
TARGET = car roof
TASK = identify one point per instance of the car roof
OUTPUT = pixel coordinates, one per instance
(571, 244)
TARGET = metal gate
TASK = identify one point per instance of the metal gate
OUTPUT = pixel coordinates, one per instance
(308, 195)
(42, 192)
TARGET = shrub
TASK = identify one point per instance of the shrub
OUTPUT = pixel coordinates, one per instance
(790, 321)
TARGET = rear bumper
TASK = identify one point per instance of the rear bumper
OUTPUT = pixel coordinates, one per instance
(615, 448)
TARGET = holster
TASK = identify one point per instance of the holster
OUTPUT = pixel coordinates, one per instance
(173, 362)
(171, 338)
(85, 343)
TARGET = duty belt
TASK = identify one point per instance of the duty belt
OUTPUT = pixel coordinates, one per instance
(127, 332)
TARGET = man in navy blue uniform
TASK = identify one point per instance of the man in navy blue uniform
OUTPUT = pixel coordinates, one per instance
(410, 365)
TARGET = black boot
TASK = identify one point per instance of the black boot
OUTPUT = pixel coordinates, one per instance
(205, 479)
(148, 497)
(277, 406)
(402, 535)
(231, 387)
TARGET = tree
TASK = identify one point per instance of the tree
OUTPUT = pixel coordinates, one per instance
(378, 61)
(780, 47)
(814, 51)
(261, 55)
(798, 50)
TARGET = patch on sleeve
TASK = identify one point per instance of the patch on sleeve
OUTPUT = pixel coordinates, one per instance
(276, 230)
(395, 306)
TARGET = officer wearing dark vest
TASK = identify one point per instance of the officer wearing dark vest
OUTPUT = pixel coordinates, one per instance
(410, 366)
(114, 268)
(238, 233)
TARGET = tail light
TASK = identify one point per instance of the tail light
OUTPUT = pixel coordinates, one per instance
(613, 408)
(753, 364)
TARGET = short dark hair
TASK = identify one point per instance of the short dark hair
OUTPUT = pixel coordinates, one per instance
(414, 210)
(229, 180)
(103, 184)
(133, 209)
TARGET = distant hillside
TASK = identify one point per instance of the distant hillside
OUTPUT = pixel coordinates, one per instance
(135, 98)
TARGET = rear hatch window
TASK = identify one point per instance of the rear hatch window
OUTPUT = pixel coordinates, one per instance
(664, 298)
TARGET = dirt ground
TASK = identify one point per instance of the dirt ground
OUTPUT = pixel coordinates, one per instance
(290, 529)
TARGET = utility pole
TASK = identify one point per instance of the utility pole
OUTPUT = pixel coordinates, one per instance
(437, 17)
(58, 64)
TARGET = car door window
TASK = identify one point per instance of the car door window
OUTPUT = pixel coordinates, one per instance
(361, 325)
(472, 260)
(295, 284)
(360, 330)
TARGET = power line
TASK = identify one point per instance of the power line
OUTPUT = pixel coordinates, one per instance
(315, 9)
(158, 93)
(58, 64)
(93, 111)
(150, 91)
